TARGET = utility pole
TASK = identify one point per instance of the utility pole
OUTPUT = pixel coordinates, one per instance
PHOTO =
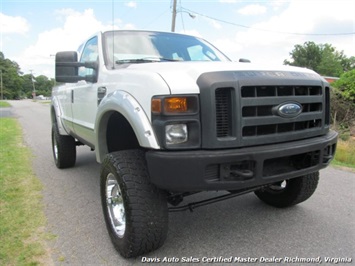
(33, 85)
(173, 19)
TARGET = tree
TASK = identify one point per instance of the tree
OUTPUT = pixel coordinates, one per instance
(349, 63)
(18, 86)
(331, 61)
(308, 55)
(346, 85)
(43, 85)
(27, 85)
(11, 80)
(322, 58)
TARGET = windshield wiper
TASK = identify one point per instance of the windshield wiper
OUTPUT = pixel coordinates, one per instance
(161, 59)
(145, 60)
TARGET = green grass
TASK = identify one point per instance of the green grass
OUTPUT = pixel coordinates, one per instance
(4, 104)
(22, 220)
(345, 154)
(45, 102)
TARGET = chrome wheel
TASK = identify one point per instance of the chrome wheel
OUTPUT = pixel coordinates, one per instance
(115, 206)
(55, 149)
(278, 186)
(63, 148)
(135, 211)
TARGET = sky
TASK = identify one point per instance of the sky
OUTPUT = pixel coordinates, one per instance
(263, 31)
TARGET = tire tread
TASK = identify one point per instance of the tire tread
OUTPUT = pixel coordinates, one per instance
(297, 190)
(145, 204)
(66, 149)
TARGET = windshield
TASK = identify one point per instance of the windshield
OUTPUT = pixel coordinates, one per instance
(123, 47)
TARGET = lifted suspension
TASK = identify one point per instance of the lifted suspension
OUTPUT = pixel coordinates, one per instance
(193, 205)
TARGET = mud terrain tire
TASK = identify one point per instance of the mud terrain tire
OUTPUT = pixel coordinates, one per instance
(135, 211)
(289, 192)
(64, 149)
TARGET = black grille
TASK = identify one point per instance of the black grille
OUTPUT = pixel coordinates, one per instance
(274, 91)
(280, 128)
(327, 102)
(263, 110)
(267, 110)
(260, 109)
(223, 112)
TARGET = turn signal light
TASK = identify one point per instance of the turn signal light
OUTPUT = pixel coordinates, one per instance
(175, 105)
(156, 105)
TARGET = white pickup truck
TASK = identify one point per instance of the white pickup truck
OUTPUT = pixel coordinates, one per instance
(168, 115)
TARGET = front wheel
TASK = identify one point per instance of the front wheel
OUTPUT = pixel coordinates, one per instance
(289, 192)
(135, 211)
(64, 149)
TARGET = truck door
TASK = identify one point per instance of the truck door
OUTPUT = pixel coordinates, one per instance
(84, 97)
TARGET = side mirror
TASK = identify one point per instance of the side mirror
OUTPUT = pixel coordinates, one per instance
(63, 73)
(243, 60)
(67, 65)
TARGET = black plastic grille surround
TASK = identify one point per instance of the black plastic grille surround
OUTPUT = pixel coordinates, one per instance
(241, 109)
(259, 103)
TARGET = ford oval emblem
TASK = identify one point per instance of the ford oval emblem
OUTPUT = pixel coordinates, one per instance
(289, 110)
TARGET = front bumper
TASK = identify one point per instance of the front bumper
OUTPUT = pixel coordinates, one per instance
(238, 169)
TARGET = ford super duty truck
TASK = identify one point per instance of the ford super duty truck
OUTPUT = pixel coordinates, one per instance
(168, 115)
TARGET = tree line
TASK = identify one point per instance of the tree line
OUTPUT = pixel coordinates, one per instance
(16, 85)
(327, 61)
(322, 58)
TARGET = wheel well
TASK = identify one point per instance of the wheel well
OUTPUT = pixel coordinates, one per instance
(53, 115)
(120, 134)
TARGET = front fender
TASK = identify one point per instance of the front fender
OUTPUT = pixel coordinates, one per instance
(125, 104)
(56, 116)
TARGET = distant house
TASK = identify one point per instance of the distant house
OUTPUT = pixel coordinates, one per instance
(330, 79)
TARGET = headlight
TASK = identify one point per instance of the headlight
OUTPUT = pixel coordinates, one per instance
(176, 121)
(176, 134)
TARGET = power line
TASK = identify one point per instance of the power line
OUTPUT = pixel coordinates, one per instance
(273, 31)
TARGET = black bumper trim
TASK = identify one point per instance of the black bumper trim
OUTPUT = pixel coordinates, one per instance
(198, 170)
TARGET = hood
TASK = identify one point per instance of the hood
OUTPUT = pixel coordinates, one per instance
(181, 77)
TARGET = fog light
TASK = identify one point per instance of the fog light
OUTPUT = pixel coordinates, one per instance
(175, 134)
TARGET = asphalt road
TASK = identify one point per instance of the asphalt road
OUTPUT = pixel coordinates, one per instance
(241, 227)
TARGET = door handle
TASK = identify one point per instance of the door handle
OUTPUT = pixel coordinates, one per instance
(101, 92)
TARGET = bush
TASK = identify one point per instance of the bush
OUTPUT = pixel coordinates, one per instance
(346, 85)
(342, 112)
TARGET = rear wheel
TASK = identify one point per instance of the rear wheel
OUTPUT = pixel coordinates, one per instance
(289, 192)
(135, 211)
(64, 149)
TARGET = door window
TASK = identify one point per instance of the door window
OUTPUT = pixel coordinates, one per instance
(90, 54)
